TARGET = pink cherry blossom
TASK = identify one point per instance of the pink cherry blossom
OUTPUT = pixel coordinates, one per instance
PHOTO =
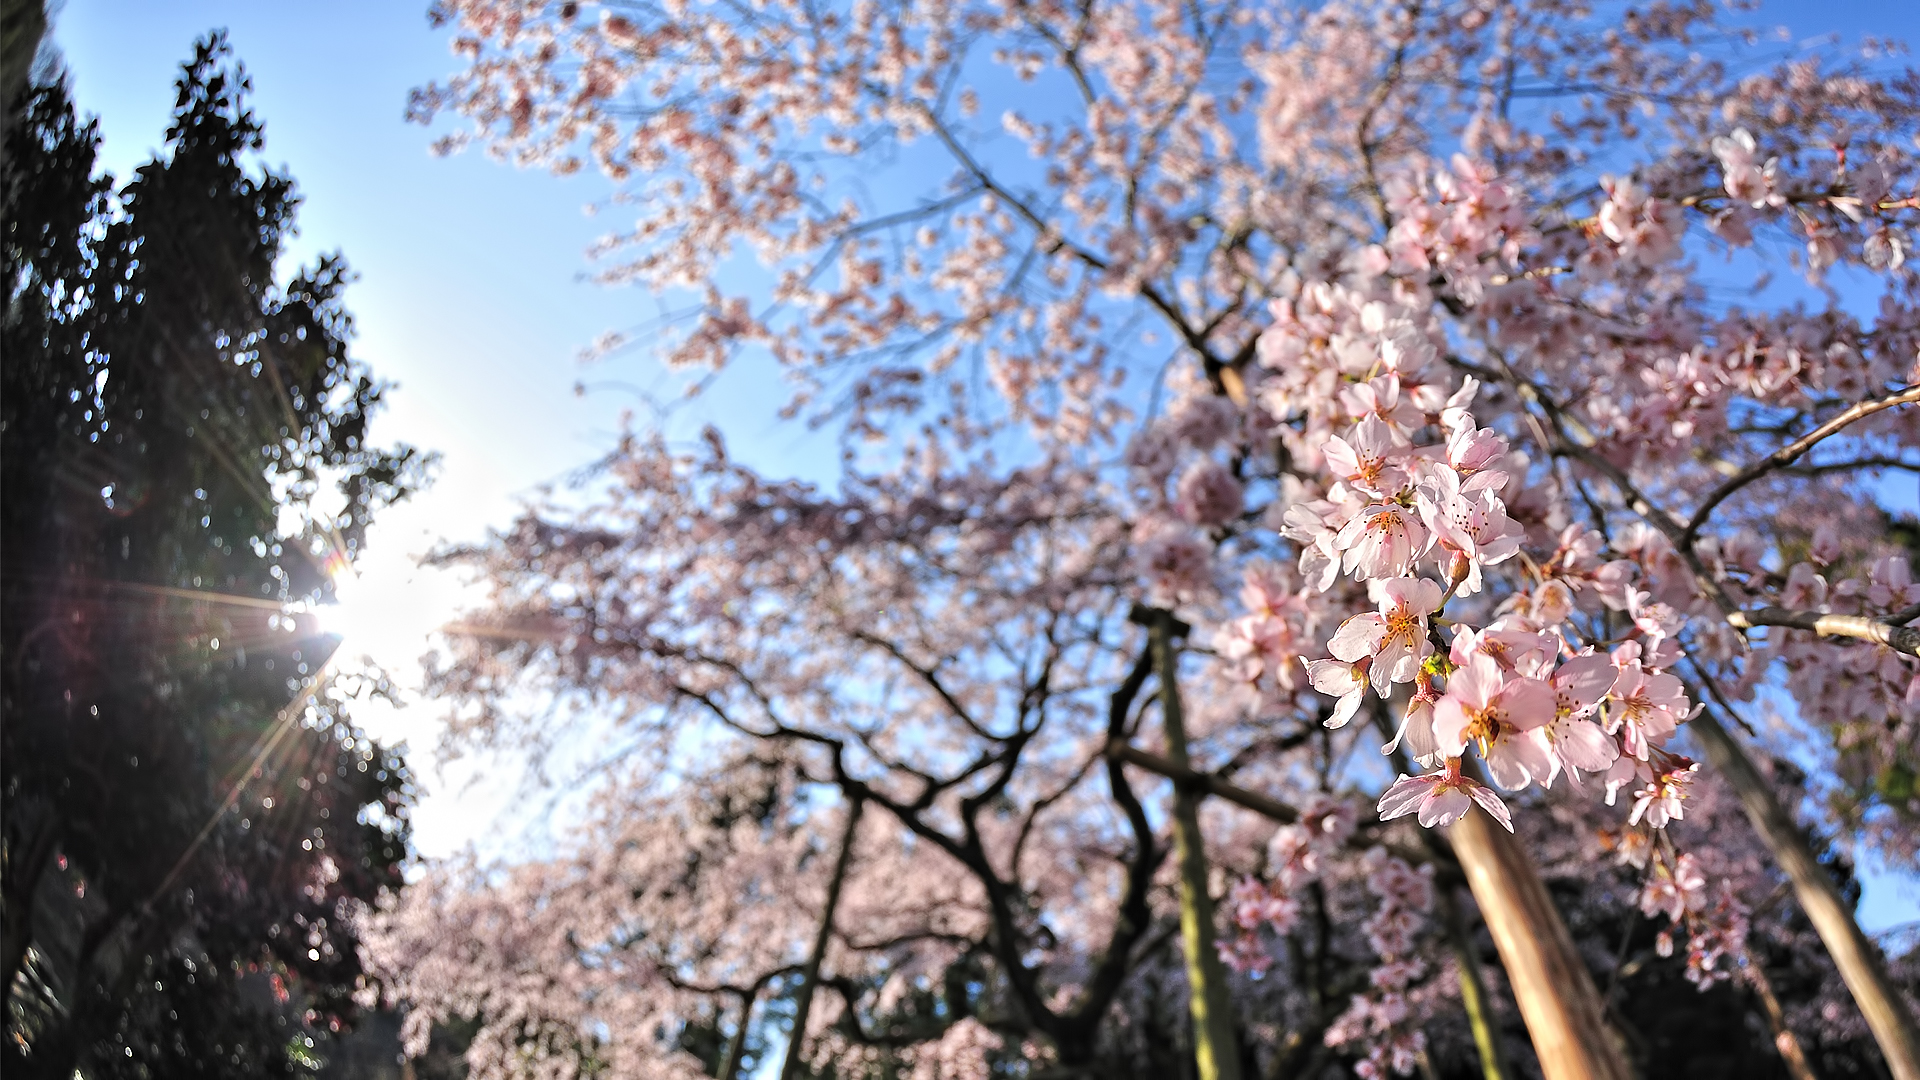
(1367, 457)
(1382, 541)
(1441, 798)
(1343, 680)
(1644, 709)
(1395, 636)
(1502, 717)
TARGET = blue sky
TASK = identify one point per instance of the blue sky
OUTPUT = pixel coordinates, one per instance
(470, 299)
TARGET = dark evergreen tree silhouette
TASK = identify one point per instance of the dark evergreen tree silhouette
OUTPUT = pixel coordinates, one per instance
(187, 814)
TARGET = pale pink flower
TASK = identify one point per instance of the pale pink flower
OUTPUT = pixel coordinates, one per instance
(1520, 652)
(1805, 587)
(1394, 636)
(1309, 525)
(1382, 541)
(1578, 687)
(1344, 680)
(1501, 716)
(1441, 798)
(1645, 709)
(1663, 798)
(1472, 525)
(1475, 453)
(1380, 399)
(1367, 458)
(1416, 728)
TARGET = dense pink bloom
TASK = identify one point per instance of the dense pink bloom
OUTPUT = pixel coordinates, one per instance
(1209, 496)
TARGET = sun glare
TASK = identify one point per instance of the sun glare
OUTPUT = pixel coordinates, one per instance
(345, 617)
(384, 607)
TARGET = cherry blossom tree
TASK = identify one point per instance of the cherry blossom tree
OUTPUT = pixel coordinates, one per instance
(1423, 365)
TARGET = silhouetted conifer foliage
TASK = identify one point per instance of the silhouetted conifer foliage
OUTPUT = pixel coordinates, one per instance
(188, 817)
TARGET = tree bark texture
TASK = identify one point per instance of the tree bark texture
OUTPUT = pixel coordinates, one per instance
(1555, 993)
(1856, 957)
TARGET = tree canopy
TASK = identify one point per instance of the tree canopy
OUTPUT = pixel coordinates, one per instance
(1226, 390)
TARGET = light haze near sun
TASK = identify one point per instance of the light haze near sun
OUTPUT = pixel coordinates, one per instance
(468, 299)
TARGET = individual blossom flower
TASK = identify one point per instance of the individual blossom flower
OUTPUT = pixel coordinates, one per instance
(1416, 726)
(1890, 583)
(1457, 412)
(1513, 650)
(1659, 787)
(1476, 454)
(1805, 587)
(1503, 718)
(1368, 458)
(1380, 399)
(1473, 526)
(1441, 798)
(1342, 680)
(1645, 709)
(1383, 540)
(1579, 685)
(1311, 525)
(1395, 636)
(1663, 797)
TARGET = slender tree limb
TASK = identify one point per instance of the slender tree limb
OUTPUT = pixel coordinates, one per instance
(1189, 777)
(737, 1047)
(1790, 453)
(1792, 1054)
(1904, 639)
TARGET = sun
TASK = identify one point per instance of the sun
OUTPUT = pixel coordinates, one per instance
(384, 608)
(349, 616)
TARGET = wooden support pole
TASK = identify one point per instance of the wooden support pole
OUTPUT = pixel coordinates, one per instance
(810, 975)
(1555, 993)
(1215, 1048)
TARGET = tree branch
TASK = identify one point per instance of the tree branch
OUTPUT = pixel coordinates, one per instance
(1790, 453)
